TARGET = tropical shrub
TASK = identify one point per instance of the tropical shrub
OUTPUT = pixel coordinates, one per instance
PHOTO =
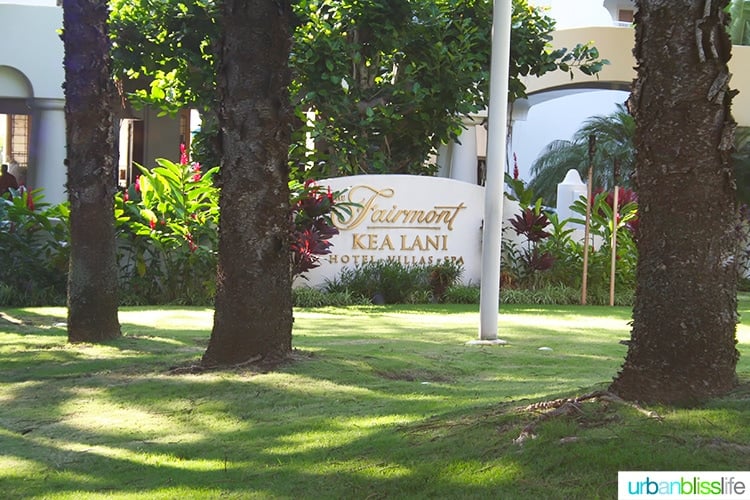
(312, 226)
(314, 297)
(549, 256)
(168, 231)
(525, 264)
(389, 281)
(441, 277)
(602, 224)
(34, 240)
(167, 226)
(462, 294)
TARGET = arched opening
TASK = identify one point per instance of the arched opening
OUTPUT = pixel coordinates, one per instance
(16, 95)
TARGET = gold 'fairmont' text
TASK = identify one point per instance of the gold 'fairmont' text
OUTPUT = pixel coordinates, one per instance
(373, 216)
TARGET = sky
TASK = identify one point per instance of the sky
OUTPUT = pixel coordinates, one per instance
(51, 3)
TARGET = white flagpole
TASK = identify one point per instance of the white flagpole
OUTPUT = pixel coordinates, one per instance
(494, 185)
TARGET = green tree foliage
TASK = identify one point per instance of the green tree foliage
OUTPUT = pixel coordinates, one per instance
(165, 50)
(386, 80)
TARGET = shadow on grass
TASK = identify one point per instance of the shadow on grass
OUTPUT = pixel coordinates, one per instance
(384, 405)
(465, 453)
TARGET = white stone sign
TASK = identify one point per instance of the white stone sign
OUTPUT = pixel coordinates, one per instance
(410, 219)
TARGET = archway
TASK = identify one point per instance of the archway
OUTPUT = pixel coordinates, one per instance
(16, 95)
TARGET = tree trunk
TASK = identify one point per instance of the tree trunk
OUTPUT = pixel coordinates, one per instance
(683, 342)
(253, 298)
(92, 279)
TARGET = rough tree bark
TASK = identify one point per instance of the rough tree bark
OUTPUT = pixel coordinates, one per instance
(92, 279)
(253, 316)
(683, 341)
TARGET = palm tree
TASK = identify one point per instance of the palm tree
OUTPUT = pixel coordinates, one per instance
(614, 141)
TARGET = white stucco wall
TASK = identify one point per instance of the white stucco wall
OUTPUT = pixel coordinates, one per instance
(31, 79)
(32, 45)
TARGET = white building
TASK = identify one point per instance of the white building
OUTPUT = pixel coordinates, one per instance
(32, 104)
(557, 105)
(32, 118)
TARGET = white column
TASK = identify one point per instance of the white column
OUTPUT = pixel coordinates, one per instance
(464, 154)
(496, 151)
(47, 149)
(443, 161)
(568, 191)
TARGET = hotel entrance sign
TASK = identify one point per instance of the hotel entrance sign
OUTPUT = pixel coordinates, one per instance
(409, 219)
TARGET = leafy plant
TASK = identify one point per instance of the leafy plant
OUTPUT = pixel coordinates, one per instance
(520, 192)
(441, 277)
(603, 220)
(462, 294)
(531, 223)
(566, 251)
(167, 223)
(168, 228)
(314, 297)
(389, 281)
(312, 226)
(386, 82)
(34, 239)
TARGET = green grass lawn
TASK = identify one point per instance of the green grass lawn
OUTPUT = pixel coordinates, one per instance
(381, 402)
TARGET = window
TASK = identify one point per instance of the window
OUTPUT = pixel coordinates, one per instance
(625, 15)
(18, 139)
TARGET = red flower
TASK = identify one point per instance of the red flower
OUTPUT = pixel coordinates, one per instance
(152, 223)
(515, 167)
(196, 169)
(30, 202)
(191, 244)
(125, 196)
(183, 154)
(138, 184)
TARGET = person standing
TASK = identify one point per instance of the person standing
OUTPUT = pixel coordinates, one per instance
(7, 180)
(17, 171)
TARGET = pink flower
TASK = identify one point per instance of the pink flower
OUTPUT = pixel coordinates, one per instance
(183, 154)
(515, 167)
(138, 184)
(125, 196)
(196, 169)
